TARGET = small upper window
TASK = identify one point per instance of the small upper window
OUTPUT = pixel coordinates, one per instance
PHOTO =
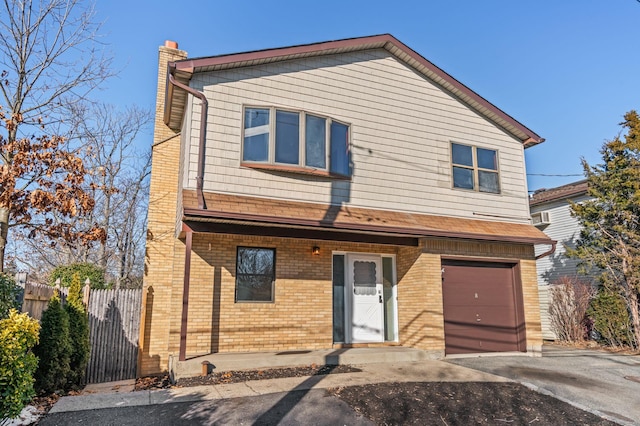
(295, 138)
(475, 168)
(255, 274)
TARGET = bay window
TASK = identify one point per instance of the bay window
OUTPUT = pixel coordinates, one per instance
(304, 141)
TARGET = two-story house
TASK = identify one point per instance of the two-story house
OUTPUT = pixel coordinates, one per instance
(331, 195)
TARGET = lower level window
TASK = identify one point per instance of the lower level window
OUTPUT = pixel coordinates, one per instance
(255, 274)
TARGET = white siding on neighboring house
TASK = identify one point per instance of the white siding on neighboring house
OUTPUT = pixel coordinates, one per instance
(565, 230)
(401, 130)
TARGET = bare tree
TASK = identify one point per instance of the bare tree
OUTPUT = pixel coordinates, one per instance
(117, 179)
(570, 299)
(48, 61)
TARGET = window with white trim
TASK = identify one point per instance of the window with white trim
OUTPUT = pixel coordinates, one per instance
(475, 168)
(279, 137)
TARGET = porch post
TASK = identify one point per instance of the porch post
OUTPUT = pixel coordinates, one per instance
(185, 295)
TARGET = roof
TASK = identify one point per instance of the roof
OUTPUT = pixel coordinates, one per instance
(184, 69)
(563, 192)
(234, 209)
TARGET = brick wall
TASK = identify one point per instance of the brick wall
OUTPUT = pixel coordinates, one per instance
(301, 315)
(529, 279)
(157, 299)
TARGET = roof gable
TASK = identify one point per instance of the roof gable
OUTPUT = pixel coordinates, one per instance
(184, 69)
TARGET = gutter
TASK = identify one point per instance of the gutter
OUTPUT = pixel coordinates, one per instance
(548, 252)
(203, 132)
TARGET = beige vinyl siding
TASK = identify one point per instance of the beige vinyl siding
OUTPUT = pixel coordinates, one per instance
(565, 230)
(401, 130)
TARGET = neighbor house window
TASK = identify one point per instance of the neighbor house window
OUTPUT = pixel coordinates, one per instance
(475, 168)
(298, 139)
(255, 274)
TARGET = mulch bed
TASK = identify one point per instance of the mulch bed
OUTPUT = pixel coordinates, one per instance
(163, 382)
(470, 403)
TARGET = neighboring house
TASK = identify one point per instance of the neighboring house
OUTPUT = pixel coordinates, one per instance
(551, 212)
(330, 195)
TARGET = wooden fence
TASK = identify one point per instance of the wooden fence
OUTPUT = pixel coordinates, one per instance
(36, 297)
(114, 323)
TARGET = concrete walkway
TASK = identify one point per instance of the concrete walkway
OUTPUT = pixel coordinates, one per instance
(423, 371)
(260, 360)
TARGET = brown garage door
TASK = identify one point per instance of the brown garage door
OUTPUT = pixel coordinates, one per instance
(482, 308)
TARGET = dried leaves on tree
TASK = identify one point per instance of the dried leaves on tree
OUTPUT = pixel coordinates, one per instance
(39, 177)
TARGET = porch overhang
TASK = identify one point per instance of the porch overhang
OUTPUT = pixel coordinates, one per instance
(265, 229)
(291, 219)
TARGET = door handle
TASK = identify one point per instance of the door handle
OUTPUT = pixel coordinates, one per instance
(380, 298)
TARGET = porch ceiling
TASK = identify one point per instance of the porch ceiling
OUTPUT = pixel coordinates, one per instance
(234, 210)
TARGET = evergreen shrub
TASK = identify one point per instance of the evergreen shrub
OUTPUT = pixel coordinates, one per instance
(18, 335)
(54, 348)
(78, 333)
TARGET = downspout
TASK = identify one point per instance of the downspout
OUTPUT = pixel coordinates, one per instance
(182, 353)
(203, 134)
(548, 252)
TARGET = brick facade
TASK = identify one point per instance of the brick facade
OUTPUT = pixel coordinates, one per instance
(301, 315)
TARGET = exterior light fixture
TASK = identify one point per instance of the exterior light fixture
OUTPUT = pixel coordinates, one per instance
(315, 251)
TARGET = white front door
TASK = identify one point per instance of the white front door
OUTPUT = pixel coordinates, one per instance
(364, 278)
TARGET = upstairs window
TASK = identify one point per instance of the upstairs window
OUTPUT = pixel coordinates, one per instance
(475, 168)
(284, 138)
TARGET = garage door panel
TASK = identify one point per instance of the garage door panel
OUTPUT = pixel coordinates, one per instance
(485, 317)
(480, 308)
(484, 340)
(477, 297)
(498, 316)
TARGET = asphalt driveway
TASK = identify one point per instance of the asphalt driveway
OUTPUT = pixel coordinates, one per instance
(285, 408)
(458, 392)
(597, 380)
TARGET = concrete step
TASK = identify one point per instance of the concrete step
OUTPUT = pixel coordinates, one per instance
(261, 360)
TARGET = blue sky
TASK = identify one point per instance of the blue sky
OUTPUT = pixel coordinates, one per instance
(567, 69)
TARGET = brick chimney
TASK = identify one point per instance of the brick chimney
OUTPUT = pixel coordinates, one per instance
(162, 217)
(167, 53)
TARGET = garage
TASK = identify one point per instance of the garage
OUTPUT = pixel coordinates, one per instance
(483, 309)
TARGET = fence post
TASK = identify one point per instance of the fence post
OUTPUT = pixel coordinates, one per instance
(86, 290)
